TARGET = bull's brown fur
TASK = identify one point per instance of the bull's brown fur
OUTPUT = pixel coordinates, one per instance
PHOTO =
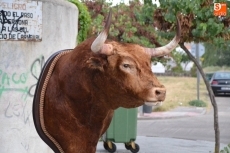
(85, 88)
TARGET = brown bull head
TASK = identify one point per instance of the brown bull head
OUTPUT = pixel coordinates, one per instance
(155, 92)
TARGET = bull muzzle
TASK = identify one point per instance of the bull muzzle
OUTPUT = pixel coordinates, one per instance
(160, 93)
(156, 97)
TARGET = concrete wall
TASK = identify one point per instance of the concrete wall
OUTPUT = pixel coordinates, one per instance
(20, 66)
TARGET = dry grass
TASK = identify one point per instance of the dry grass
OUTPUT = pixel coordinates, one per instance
(181, 90)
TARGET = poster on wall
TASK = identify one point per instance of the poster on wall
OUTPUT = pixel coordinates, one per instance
(20, 20)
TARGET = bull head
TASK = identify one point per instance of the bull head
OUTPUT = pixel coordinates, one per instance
(134, 62)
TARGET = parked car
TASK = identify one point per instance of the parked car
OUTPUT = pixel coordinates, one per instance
(220, 83)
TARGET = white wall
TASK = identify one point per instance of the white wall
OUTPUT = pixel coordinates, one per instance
(20, 65)
(157, 68)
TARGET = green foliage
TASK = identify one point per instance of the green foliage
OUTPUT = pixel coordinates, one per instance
(198, 103)
(226, 149)
(177, 69)
(216, 55)
(179, 57)
(185, 58)
(84, 20)
(131, 23)
(197, 20)
(134, 23)
(210, 55)
(193, 71)
(148, 2)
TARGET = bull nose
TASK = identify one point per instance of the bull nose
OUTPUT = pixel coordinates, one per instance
(160, 94)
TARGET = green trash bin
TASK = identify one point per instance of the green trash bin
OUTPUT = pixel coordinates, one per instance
(122, 129)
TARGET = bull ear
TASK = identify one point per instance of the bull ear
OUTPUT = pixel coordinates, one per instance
(98, 44)
(96, 63)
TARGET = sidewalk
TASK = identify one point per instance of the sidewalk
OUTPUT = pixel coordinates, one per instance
(168, 145)
(175, 113)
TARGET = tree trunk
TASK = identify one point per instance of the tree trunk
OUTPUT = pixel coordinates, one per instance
(211, 95)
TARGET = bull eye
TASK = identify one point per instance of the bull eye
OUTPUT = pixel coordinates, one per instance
(126, 65)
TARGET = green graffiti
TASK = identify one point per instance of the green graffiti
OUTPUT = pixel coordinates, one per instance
(24, 91)
(19, 78)
(13, 82)
(7, 79)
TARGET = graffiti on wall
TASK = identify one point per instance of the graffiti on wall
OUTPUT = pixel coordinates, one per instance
(17, 82)
(35, 71)
(17, 85)
(7, 80)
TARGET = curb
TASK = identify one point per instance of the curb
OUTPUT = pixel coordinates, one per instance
(172, 114)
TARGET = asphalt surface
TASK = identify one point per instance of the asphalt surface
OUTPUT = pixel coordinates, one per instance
(168, 145)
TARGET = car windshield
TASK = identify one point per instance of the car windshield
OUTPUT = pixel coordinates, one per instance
(222, 75)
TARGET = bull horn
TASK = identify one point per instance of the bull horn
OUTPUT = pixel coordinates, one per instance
(164, 50)
(101, 38)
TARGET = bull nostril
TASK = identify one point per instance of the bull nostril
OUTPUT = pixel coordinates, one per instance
(158, 92)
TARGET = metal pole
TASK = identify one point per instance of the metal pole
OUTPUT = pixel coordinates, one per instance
(197, 72)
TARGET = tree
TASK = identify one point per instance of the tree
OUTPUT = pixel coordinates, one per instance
(185, 59)
(211, 55)
(216, 55)
(199, 25)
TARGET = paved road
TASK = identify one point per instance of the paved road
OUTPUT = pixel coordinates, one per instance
(193, 128)
(183, 130)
